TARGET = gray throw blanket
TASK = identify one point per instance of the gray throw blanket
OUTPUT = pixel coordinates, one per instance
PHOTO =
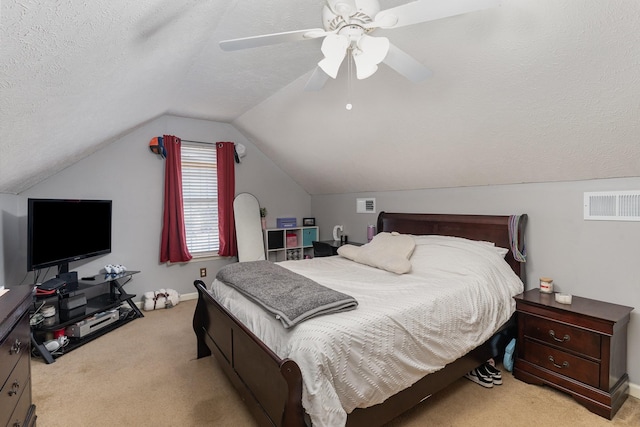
(290, 296)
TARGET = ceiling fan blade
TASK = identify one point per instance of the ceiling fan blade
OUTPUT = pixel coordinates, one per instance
(406, 65)
(317, 80)
(426, 10)
(270, 39)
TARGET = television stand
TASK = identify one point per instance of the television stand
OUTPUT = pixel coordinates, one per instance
(108, 306)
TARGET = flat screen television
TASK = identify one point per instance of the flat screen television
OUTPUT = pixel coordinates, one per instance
(61, 231)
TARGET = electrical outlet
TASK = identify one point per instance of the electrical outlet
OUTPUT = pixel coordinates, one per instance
(203, 272)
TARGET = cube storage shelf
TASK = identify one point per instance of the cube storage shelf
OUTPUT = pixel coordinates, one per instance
(293, 243)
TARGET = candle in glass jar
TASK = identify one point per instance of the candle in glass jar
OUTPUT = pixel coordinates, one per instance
(546, 285)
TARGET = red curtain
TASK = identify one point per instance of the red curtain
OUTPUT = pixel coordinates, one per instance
(226, 193)
(173, 247)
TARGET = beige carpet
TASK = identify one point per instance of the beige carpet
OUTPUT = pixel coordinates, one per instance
(145, 374)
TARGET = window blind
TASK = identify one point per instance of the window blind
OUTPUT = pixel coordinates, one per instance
(200, 198)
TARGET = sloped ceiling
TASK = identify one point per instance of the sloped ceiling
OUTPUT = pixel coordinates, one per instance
(531, 91)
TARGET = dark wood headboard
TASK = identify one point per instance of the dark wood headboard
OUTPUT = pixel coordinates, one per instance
(491, 228)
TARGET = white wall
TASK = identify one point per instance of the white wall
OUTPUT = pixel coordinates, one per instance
(593, 259)
(128, 173)
(9, 229)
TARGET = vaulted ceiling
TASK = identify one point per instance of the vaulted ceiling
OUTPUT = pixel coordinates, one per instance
(532, 91)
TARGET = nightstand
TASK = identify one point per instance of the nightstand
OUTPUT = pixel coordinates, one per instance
(578, 348)
(330, 247)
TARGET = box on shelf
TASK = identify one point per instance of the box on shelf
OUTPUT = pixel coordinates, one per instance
(286, 222)
(308, 236)
(275, 240)
(293, 254)
(292, 240)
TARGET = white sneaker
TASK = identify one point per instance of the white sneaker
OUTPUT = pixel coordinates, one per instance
(479, 378)
(489, 370)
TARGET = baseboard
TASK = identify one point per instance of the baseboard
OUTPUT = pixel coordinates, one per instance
(192, 295)
(634, 390)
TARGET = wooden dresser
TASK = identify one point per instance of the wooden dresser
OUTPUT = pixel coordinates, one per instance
(16, 409)
(578, 348)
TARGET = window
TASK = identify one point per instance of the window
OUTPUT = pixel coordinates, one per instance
(200, 198)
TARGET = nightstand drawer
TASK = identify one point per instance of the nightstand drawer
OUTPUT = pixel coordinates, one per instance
(564, 363)
(564, 336)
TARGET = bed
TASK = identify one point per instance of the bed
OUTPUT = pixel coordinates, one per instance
(272, 387)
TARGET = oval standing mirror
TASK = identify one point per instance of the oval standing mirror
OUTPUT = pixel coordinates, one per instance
(246, 210)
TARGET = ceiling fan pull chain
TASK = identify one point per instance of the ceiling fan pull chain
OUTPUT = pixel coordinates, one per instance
(349, 60)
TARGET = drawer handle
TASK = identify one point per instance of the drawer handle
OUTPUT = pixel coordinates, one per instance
(553, 335)
(15, 348)
(565, 364)
(15, 387)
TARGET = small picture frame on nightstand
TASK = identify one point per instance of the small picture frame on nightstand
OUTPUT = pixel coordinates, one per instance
(308, 221)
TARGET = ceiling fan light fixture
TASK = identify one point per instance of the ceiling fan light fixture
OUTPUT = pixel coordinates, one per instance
(364, 69)
(330, 66)
(334, 48)
(369, 52)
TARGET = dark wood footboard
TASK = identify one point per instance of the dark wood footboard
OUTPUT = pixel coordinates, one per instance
(270, 386)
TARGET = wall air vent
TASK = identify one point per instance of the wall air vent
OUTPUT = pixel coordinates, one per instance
(612, 205)
(367, 205)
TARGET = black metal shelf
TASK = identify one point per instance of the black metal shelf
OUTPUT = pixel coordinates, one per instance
(113, 298)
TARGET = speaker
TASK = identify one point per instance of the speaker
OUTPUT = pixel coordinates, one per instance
(72, 307)
(73, 302)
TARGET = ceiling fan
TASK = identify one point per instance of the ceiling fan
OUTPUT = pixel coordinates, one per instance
(347, 28)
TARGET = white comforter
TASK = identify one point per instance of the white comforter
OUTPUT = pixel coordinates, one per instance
(457, 295)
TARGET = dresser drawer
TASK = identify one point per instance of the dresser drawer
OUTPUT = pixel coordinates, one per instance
(563, 336)
(17, 384)
(21, 413)
(11, 348)
(564, 363)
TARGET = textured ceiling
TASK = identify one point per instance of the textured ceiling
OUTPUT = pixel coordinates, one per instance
(531, 91)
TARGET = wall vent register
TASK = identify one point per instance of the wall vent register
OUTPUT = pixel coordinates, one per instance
(367, 205)
(612, 205)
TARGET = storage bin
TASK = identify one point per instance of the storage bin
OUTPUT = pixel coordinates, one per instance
(292, 240)
(275, 240)
(308, 236)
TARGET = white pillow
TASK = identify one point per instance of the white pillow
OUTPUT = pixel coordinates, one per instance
(435, 238)
(386, 251)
